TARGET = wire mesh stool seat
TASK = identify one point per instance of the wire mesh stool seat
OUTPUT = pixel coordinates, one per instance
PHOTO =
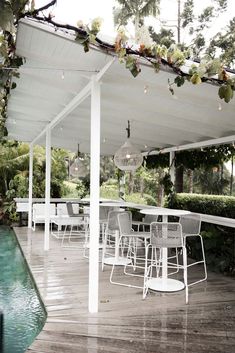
(164, 235)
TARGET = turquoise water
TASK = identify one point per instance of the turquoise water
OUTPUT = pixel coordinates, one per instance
(24, 314)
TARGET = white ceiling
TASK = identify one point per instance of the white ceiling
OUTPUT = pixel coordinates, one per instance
(158, 119)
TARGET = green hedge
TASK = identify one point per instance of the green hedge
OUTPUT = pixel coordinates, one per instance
(216, 205)
(219, 241)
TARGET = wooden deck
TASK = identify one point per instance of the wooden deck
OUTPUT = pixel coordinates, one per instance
(161, 323)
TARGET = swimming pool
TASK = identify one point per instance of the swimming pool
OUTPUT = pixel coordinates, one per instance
(24, 313)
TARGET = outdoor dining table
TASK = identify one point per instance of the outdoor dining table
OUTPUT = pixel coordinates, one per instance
(163, 283)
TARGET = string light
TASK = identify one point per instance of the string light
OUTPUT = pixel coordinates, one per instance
(146, 89)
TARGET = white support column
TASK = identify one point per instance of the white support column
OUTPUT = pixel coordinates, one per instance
(47, 189)
(94, 197)
(172, 166)
(30, 185)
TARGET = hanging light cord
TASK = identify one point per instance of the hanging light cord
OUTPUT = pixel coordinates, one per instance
(128, 129)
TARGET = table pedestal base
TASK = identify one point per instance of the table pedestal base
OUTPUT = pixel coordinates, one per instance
(120, 261)
(165, 285)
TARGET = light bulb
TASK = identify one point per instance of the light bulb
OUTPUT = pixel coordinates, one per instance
(62, 76)
(145, 89)
(219, 106)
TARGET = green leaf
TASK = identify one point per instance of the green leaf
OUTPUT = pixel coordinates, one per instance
(228, 95)
(135, 71)
(221, 92)
(13, 85)
(156, 66)
(131, 64)
(225, 92)
(179, 81)
(86, 45)
(17, 61)
(81, 38)
(15, 74)
(196, 79)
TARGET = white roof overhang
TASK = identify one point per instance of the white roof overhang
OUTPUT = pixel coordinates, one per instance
(57, 69)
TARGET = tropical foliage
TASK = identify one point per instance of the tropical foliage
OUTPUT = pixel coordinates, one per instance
(14, 161)
(136, 10)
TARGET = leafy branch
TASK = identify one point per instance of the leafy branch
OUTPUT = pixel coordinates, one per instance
(208, 70)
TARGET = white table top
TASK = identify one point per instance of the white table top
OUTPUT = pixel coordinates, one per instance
(126, 204)
(161, 211)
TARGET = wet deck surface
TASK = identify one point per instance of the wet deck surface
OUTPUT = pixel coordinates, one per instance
(161, 323)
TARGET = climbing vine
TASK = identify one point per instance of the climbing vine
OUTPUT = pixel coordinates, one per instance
(131, 55)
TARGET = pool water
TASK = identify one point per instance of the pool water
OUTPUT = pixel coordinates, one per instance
(24, 313)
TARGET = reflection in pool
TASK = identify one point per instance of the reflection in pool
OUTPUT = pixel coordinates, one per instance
(24, 313)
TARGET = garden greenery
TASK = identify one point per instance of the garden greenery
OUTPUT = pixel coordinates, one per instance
(216, 205)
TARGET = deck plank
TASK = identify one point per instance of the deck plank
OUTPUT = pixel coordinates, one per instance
(125, 322)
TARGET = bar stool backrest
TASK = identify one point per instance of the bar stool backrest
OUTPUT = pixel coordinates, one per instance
(70, 209)
(166, 235)
(113, 220)
(191, 223)
(125, 223)
(104, 212)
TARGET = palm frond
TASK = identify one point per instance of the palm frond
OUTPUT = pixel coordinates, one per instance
(151, 7)
(121, 16)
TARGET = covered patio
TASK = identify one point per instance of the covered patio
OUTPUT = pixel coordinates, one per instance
(65, 97)
(51, 105)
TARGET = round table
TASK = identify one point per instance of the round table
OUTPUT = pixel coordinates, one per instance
(165, 284)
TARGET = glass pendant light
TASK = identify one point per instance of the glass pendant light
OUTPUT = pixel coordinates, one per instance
(78, 168)
(128, 157)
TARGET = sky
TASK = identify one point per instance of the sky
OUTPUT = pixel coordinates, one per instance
(71, 11)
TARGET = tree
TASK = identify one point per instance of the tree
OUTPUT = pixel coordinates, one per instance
(10, 11)
(197, 25)
(13, 161)
(211, 181)
(14, 174)
(164, 37)
(225, 43)
(135, 10)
